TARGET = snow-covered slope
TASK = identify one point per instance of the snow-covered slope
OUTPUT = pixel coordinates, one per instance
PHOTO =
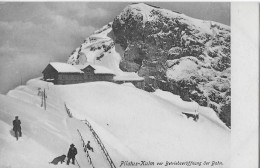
(46, 134)
(173, 52)
(100, 49)
(134, 125)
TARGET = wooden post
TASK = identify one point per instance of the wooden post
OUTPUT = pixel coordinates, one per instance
(44, 99)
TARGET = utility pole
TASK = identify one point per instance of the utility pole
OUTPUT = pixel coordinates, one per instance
(44, 98)
(43, 94)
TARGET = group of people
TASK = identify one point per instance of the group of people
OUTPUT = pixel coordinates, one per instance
(72, 150)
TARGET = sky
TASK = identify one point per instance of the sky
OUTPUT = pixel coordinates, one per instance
(36, 33)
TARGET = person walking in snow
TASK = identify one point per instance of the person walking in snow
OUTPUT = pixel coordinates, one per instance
(71, 154)
(88, 147)
(17, 127)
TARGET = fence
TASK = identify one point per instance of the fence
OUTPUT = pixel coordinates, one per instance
(88, 157)
(111, 163)
(68, 111)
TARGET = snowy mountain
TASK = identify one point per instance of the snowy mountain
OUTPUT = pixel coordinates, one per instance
(173, 52)
(131, 129)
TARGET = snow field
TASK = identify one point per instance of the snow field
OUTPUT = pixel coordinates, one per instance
(134, 125)
(148, 122)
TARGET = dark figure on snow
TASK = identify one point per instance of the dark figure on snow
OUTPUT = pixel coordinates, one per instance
(17, 127)
(88, 147)
(71, 154)
(58, 159)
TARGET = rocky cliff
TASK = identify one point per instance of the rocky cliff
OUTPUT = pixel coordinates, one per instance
(173, 52)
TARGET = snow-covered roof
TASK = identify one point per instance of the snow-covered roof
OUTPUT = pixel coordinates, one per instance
(102, 70)
(80, 66)
(128, 76)
(191, 112)
(65, 68)
(98, 68)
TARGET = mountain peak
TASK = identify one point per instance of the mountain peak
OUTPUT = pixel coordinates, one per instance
(173, 52)
(146, 4)
(144, 10)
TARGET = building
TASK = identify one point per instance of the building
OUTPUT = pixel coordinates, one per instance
(130, 77)
(62, 73)
(95, 73)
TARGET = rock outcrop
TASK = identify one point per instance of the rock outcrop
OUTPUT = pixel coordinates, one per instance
(173, 52)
